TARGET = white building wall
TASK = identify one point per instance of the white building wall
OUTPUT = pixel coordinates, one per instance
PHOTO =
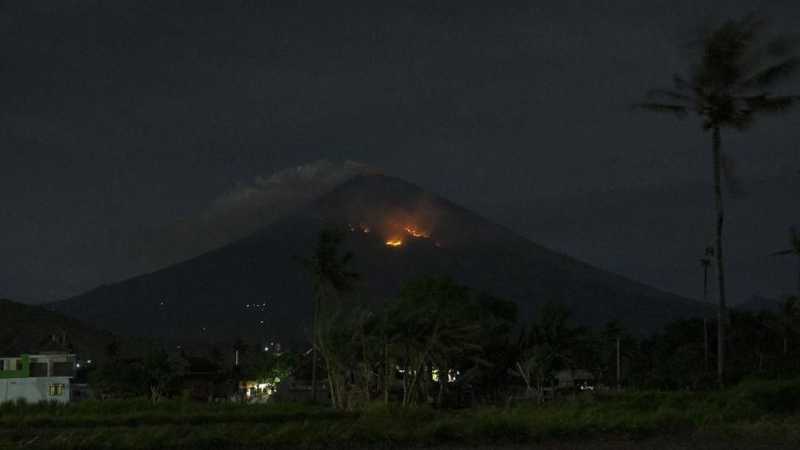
(33, 390)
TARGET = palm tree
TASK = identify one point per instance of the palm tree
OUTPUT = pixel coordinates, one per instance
(331, 277)
(794, 249)
(729, 87)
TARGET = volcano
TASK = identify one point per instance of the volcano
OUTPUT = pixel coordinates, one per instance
(256, 287)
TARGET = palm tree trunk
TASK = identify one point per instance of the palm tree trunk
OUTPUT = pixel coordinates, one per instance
(365, 363)
(721, 312)
(705, 344)
(386, 372)
(333, 389)
(405, 388)
(619, 368)
(314, 338)
(705, 319)
(798, 277)
(525, 377)
(440, 394)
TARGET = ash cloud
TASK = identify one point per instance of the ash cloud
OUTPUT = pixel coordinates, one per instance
(242, 211)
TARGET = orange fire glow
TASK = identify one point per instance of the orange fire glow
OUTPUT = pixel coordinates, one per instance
(394, 242)
(416, 232)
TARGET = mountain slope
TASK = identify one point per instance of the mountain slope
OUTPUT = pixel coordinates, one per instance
(257, 287)
(240, 212)
(33, 329)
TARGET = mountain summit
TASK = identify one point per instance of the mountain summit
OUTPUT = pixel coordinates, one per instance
(241, 211)
(257, 286)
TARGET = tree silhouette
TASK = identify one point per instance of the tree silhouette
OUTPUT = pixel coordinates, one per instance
(160, 372)
(551, 345)
(330, 277)
(433, 325)
(729, 87)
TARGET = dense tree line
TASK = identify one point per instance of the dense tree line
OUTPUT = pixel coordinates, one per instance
(439, 342)
(442, 344)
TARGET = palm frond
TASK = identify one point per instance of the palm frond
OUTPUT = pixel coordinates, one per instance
(740, 119)
(727, 84)
(779, 47)
(679, 110)
(794, 239)
(727, 46)
(766, 104)
(681, 84)
(666, 94)
(773, 74)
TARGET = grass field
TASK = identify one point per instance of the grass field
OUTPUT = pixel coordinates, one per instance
(751, 415)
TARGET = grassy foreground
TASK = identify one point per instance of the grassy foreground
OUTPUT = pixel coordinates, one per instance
(767, 412)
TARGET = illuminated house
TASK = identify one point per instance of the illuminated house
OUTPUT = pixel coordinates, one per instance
(37, 378)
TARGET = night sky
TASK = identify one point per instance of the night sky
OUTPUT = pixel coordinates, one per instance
(122, 117)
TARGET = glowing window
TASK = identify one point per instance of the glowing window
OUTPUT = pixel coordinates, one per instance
(56, 390)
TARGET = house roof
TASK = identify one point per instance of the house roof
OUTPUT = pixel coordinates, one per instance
(574, 374)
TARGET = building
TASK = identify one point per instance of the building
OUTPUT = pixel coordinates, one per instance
(577, 379)
(37, 377)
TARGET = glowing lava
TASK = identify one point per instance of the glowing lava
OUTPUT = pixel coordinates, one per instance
(394, 242)
(417, 233)
(412, 231)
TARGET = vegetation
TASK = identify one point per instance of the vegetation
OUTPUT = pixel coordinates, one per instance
(552, 344)
(729, 87)
(443, 345)
(331, 277)
(754, 410)
(156, 375)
